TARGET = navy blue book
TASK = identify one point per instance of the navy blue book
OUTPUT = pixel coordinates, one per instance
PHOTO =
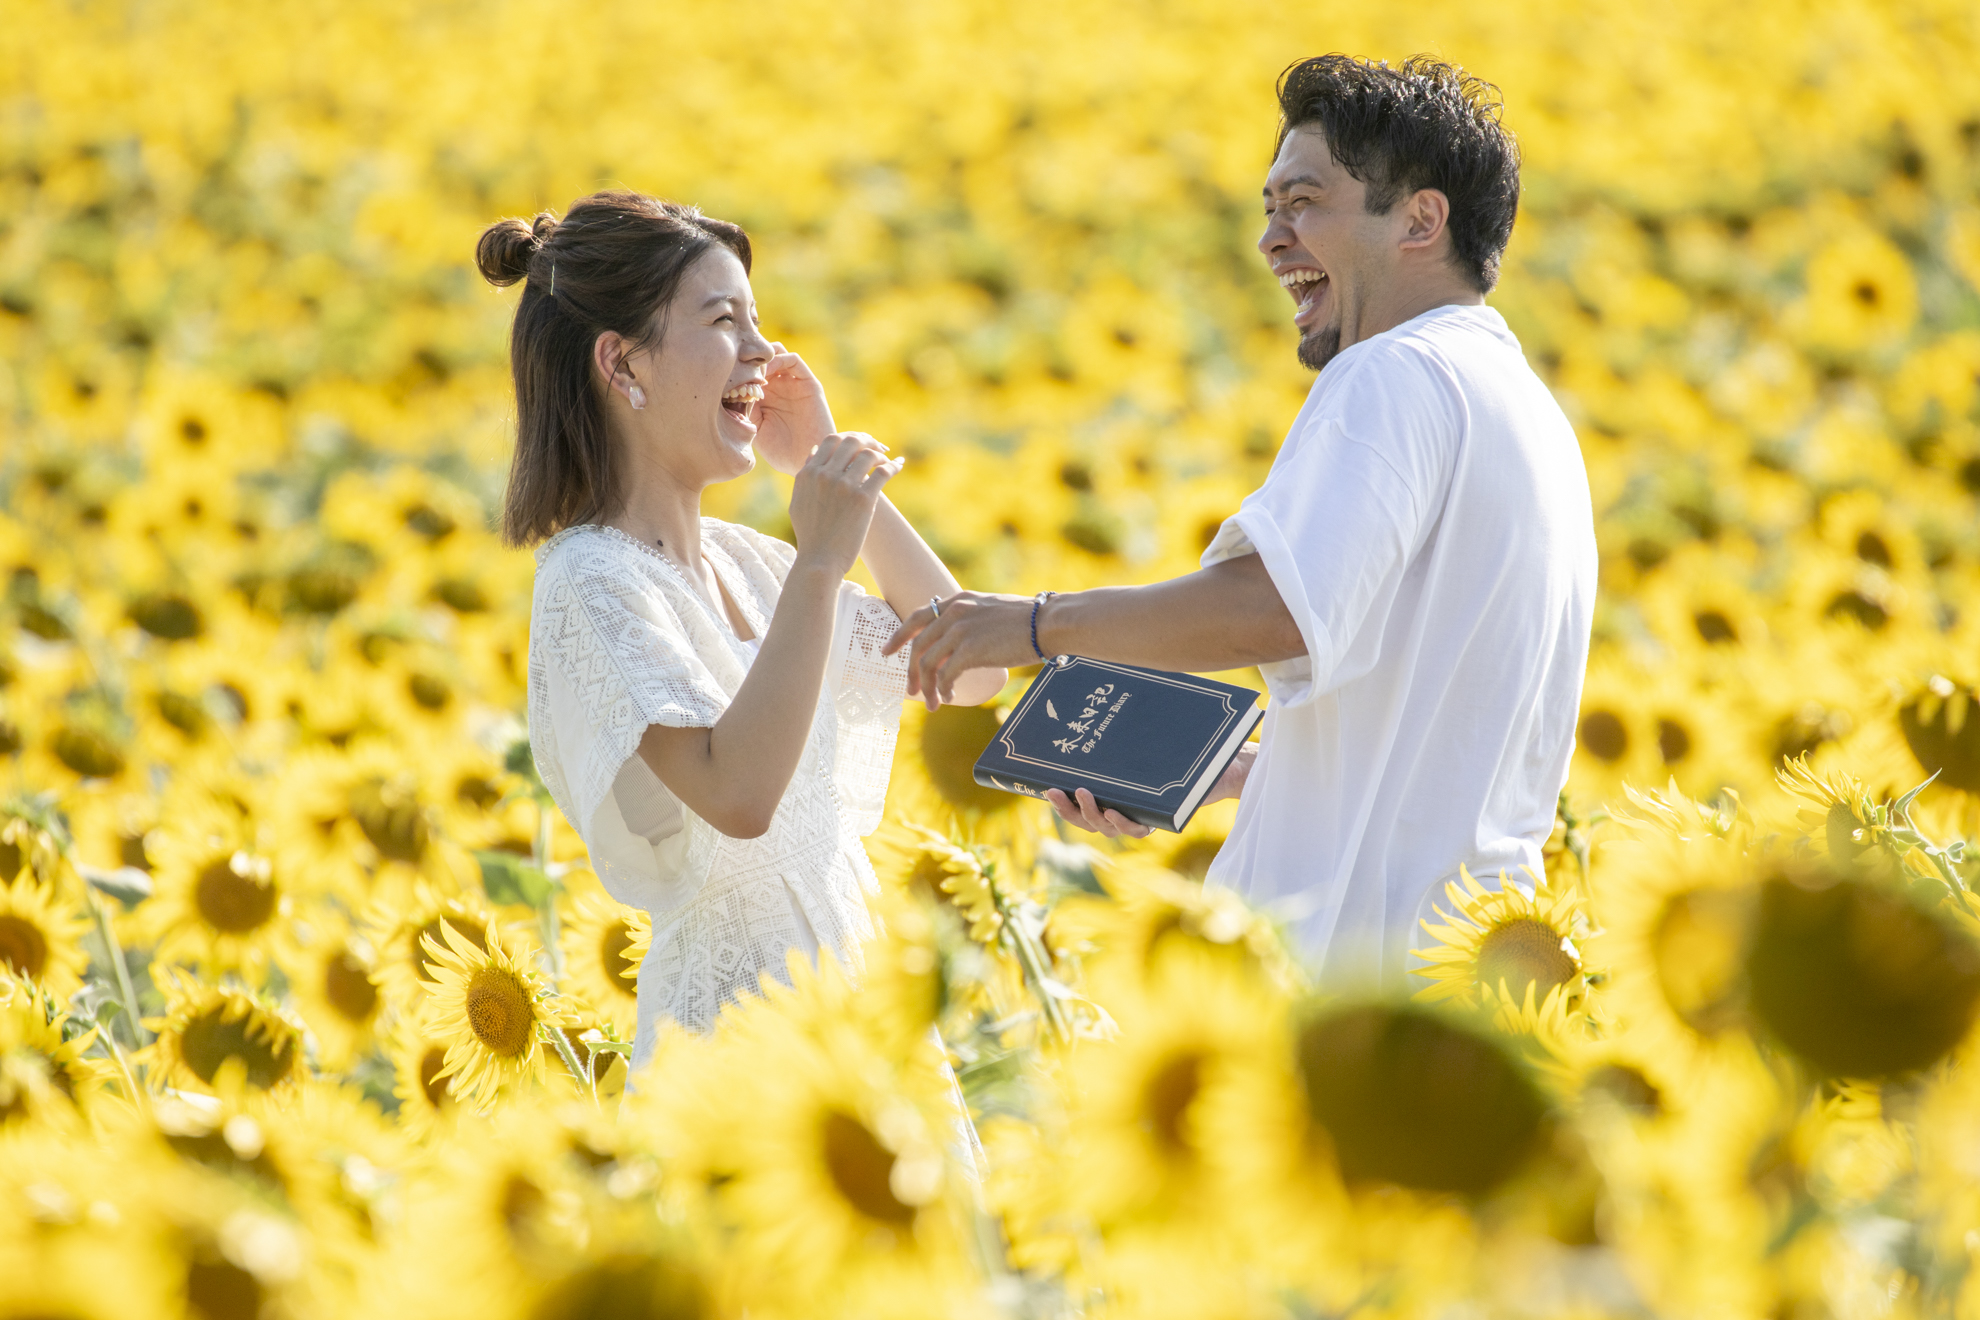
(1146, 742)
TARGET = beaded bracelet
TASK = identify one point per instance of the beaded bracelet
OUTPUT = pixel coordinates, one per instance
(1036, 601)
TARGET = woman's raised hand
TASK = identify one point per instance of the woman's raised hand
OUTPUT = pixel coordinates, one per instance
(833, 500)
(793, 416)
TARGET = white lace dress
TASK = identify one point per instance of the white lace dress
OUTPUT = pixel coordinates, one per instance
(619, 639)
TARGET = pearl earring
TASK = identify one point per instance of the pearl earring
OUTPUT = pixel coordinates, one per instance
(637, 396)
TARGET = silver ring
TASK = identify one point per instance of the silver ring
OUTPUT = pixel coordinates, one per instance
(935, 606)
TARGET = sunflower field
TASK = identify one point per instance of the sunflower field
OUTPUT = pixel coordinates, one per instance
(309, 1006)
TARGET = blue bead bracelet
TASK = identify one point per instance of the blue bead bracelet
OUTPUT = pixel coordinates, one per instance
(1036, 601)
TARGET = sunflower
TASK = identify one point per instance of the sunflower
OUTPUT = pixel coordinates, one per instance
(1188, 1105)
(215, 1038)
(906, 986)
(220, 902)
(1861, 293)
(1150, 908)
(403, 963)
(37, 1064)
(41, 937)
(358, 819)
(337, 992)
(1673, 908)
(487, 1005)
(825, 1158)
(932, 867)
(419, 1063)
(27, 844)
(1501, 945)
(1836, 809)
(603, 943)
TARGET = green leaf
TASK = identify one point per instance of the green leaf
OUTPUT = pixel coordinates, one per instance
(507, 878)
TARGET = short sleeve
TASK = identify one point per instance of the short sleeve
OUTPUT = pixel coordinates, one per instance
(867, 690)
(609, 656)
(1348, 504)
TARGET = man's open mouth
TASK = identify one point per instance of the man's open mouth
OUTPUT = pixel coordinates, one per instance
(743, 398)
(1305, 286)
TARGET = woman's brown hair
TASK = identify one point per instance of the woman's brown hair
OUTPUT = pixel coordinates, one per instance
(613, 262)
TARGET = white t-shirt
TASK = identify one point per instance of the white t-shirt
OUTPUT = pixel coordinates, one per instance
(1428, 524)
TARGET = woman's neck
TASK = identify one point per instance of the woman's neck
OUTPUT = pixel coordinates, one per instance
(661, 511)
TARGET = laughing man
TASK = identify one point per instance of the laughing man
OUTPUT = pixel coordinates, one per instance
(1416, 577)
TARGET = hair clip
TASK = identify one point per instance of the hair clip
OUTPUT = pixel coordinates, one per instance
(553, 277)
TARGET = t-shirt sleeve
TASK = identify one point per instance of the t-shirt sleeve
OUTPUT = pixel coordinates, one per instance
(610, 658)
(1348, 504)
(867, 690)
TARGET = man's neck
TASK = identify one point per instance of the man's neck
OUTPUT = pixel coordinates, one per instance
(1406, 302)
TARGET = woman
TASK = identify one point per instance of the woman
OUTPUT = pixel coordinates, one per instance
(708, 706)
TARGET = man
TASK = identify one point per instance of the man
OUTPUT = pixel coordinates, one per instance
(1416, 577)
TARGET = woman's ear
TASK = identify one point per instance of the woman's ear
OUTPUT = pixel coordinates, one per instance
(608, 359)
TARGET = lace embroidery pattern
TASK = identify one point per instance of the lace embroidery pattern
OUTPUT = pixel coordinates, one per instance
(618, 627)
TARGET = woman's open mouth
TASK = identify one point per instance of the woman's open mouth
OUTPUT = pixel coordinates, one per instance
(741, 401)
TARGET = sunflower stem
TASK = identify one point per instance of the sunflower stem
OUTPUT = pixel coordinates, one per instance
(546, 912)
(579, 1073)
(1030, 958)
(115, 953)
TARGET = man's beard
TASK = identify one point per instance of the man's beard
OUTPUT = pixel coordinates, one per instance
(1318, 347)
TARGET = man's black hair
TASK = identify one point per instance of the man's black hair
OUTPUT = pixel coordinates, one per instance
(1427, 124)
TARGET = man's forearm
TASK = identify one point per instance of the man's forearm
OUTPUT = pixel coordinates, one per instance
(1222, 617)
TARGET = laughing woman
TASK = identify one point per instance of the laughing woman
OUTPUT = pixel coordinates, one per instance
(708, 706)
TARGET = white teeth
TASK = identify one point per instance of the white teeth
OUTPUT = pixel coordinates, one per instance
(750, 393)
(1293, 277)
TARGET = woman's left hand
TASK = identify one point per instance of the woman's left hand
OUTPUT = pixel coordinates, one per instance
(793, 416)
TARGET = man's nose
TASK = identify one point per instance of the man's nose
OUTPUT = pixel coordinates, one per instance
(1276, 238)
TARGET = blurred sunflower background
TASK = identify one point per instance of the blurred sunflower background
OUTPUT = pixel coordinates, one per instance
(310, 1007)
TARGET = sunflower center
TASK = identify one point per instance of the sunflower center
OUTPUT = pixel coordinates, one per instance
(431, 1084)
(951, 740)
(88, 753)
(499, 1012)
(626, 1287)
(229, 901)
(471, 931)
(862, 1169)
(1627, 1087)
(620, 970)
(22, 945)
(349, 988)
(1407, 1097)
(391, 818)
(1603, 734)
(210, 1039)
(1522, 952)
(1697, 947)
(221, 1290)
(522, 1201)
(1943, 739)
(1171, 1090)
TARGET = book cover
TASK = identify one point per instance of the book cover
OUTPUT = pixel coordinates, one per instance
(1146, 742)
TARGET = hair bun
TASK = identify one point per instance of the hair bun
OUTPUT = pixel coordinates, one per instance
(507, 247)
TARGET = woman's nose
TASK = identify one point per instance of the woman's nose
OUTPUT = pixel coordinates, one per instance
(754, 347)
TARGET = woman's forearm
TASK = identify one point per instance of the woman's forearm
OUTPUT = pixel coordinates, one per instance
(909, 574)
(734, 774)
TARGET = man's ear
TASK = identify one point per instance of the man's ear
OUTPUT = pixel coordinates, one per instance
(1426, 218)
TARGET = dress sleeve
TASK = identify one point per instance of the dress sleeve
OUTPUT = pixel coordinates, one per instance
(608, 657)
(867, 690)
